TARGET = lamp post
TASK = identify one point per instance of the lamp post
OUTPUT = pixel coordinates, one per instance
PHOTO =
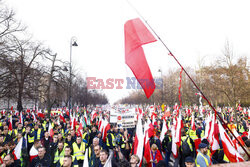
(72, 43)
(162, 98)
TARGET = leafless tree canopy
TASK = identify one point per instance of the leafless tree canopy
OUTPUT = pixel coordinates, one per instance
(28, 70)
(224, 83)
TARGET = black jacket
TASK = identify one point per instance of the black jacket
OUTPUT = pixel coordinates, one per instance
(45, 162)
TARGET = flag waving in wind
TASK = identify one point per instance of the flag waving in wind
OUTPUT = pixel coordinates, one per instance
(136, 35)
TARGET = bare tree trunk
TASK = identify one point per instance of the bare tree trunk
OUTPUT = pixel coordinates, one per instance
(49, 85)
(19, 101)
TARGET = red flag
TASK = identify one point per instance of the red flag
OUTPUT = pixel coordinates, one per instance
(40, 114)
(80, 129)
(62, 118)
(136, 35)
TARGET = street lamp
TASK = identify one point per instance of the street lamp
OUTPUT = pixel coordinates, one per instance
(72, 43)
(162, 86)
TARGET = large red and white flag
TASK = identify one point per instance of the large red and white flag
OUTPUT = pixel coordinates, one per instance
(228, 146)
(136, 35)
(164, 130)
(139, 140)
(105, 126)
(213, 136)
(236, 143)
(18, 150)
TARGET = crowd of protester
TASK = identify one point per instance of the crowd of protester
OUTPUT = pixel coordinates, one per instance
(67, 146)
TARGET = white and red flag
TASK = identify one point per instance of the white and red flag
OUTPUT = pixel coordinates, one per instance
(105, 126)
(21, 117)
(62, 117)
(33, 153)
(147, 150)
(18, 150)
(34, 117)
(164, 130)
(51, 132)
(228, 146)
(213, 136)
(192, 122)
(236, 143)
(176, 135)
(139, 140)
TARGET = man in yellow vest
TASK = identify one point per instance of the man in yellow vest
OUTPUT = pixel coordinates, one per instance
(67, 152)
(30, 137)
(19, 129)
(59, 153)
(79, 148)
(38, 132)
(110, 139)
(202, 159)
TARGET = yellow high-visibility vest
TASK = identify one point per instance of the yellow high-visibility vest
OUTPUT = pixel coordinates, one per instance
(39, 131)
(192, 134)
(200, 154)
(183, 138)
(58, 156)
(113, 139)
(202, 133)
(78, 151)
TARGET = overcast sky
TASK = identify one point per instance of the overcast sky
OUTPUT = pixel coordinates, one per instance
(191, 29)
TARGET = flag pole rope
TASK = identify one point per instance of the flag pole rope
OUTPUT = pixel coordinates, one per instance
(171, 54)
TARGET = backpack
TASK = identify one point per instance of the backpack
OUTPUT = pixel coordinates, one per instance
(185, 147)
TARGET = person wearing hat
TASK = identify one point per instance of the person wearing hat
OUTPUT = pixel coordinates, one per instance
(189, 162)
(202, 159)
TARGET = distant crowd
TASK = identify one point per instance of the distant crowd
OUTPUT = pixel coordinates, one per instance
(84, 137)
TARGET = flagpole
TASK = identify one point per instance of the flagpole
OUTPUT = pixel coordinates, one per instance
(171, 54)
